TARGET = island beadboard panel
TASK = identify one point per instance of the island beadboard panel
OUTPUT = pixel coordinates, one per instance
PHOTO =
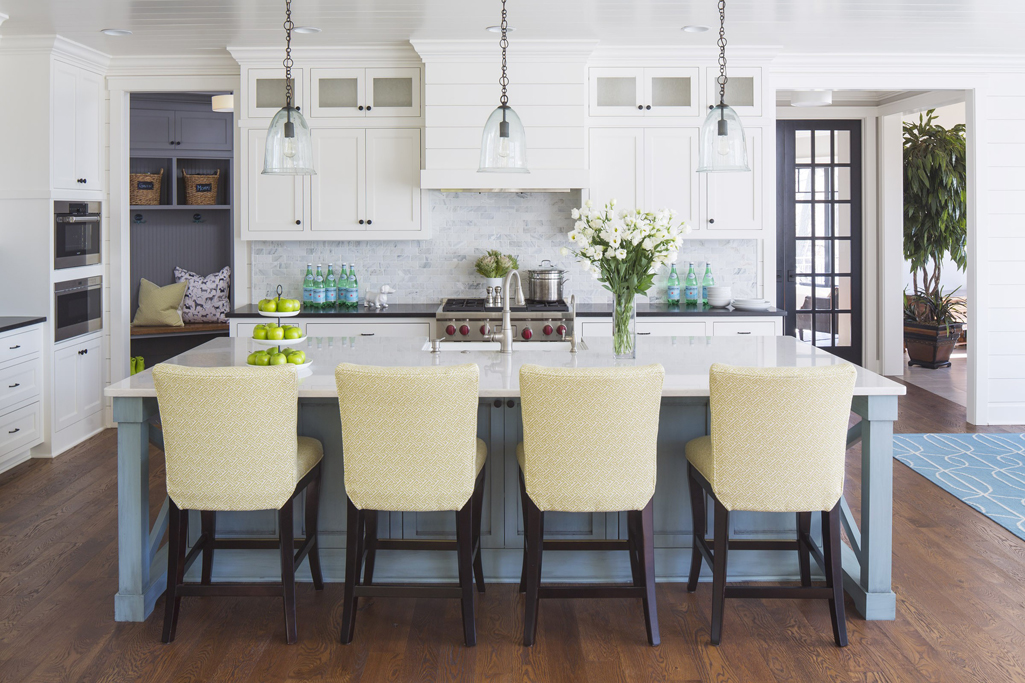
(530, 226)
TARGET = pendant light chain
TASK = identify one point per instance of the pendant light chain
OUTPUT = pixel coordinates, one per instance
(722, 52)
(504, 42)
(288, 26)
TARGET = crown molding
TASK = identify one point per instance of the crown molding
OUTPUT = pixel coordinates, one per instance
(59, 47)
(680, 55)
(523, 50)
(165, 65)
(401, 54)
(801, 63)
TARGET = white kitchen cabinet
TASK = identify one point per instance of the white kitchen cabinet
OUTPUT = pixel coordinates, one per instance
(265, 90)
(77, 382)
(369, 329)
(21, 392)
(691, 326)
(19, 430)
(743, 89)
(273, 206)
(364, 93)
(757, 328)
(733, 201)
(392, 180)
(643, 92)
(77, 134)
(338, 191)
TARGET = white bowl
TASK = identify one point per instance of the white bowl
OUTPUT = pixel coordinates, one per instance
(718, 303)
(719, 288)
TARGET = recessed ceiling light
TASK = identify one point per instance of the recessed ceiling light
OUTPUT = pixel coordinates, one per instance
(694, 28)
(116, 32)
(498, 29)
(306, 29)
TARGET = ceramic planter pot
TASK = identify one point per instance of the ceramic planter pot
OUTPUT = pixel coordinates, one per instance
(930, 346)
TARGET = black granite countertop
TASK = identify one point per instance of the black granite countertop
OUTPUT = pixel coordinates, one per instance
(13, 322)
(665, 310)
(583, 310)
(393, 311)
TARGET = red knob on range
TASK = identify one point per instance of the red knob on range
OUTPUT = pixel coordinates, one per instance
(561, 329)
(547, 330)
(464, 330)
(485, 329)
(526, 333)
(450, 330)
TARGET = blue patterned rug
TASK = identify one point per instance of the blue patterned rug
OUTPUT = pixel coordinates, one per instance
(986, 471)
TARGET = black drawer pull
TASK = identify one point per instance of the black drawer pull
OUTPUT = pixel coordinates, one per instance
(643, 334)
(15, 430)
(367, 334)
(16, 384)
(16, 346)
(748, 332)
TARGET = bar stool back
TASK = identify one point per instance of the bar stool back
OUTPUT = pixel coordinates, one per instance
(230, 444)
(778, 442)
(589, 445)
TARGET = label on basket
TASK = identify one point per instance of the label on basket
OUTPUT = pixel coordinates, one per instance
(144, 185)
(204, 187)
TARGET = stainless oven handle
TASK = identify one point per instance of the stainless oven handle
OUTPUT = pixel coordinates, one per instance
(78, 219)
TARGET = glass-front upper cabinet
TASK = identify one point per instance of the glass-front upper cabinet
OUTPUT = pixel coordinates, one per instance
(743, 89)
(266, 88)
(364, 92)
(640, 91)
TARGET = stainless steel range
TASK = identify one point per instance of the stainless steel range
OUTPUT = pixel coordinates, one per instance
(472, 320)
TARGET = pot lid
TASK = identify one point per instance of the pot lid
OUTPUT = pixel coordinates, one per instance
(542, 271)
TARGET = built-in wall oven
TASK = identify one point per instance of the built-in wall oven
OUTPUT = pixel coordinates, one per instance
(76, 234)
(79, 307)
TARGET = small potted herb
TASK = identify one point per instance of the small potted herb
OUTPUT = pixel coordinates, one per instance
(494, 266)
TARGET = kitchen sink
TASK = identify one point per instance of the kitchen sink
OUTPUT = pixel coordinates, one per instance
(450, 346)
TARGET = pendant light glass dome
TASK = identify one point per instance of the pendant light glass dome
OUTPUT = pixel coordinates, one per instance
(504, 144)
(289, 149)
(722, 143)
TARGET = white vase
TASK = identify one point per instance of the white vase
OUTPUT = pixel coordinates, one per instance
(492, 282)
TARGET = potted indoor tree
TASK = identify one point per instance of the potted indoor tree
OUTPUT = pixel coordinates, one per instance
(935, 177)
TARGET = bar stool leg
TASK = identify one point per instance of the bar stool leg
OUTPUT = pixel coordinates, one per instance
(526, 533)
(647, 567)
(478, 511)
(534, 522)
(351, 571)
(464, 549)
(803, 554)
(208, 522)
(312, 513)
(722, 542)
(370, 522)
(286, 533)
(834, 572)
(698, 518)
(177, 531)
(633, 529)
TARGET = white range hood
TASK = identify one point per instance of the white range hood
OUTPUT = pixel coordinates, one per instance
(545, 180)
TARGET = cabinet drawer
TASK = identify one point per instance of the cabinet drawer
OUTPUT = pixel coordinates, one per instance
(369, 329)
(21, 343)
(20, 382)
(689, 328)
(20, 429)
(758, 328)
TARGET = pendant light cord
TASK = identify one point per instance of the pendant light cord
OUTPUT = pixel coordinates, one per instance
(722, 52)
(504, 42)
(288, 26)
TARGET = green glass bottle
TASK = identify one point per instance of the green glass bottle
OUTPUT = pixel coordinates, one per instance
(319, 290)
(308, 287)
(691, 291)
(330, 288)
(673, 288)
(706, 282)
(352, 293)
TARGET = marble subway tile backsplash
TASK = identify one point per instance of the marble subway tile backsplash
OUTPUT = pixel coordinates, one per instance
(530, 226)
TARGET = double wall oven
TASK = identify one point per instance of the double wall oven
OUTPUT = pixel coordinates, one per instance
(76, 234)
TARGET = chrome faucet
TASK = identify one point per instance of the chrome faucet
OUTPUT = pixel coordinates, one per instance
(506, 336)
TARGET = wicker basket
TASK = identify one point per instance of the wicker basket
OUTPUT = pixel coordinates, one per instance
(200, 189)
(144, 188)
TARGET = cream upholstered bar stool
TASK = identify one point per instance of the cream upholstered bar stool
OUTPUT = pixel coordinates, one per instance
(589, 445)
(230, 444)
(409, 443)
(777, 444)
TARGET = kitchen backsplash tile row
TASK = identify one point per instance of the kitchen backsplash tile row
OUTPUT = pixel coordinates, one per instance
(530, 226)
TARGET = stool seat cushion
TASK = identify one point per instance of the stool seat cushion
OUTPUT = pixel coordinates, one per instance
(699, 454)
(482, 454)
(310, 452)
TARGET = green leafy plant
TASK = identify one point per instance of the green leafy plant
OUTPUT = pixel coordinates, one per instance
(495, 264)
(935, 181)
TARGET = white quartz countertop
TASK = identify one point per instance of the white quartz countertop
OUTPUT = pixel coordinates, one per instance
(685, 359)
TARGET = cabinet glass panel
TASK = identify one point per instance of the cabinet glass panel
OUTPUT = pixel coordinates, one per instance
(393, 92)
(617, 91)
(338, 92)
(669, 91)
(270, 92)
(740, 91)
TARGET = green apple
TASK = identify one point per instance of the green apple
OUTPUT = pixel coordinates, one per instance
(287, 350)
(296, 305)
(278, 359)
(293, 333)
(270, 307)
(271, 326)
(297, 358)
(263, 302)
(260, 333)
(262, 358)
(251, 359)
(285, 305)
(277, 334)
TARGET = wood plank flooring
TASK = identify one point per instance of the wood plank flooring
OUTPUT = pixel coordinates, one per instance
(959, 579)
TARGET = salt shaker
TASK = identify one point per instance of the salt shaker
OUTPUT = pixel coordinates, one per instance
(490, 301)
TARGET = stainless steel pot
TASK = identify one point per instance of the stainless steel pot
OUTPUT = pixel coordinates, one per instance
(545, 284)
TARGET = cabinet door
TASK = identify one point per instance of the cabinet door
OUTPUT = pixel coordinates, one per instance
(66, 390)
(152, 130)
(337, 192)
(734, 200)
(671, 92)
(337, 92)
(266, 91)
(65, 91)
(274, 203)
(202, 130)
(90, 378)
(393, 180)
(616, 92)
(670, 180)
(743, 89)
(393, 92)
(616, 166)
(349, 329)
(88, 130)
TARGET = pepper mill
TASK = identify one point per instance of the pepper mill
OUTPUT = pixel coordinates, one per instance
(498, 295)
(490, 301)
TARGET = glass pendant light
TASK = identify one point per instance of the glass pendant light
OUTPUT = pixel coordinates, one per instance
(289, 149)
(722, 145)
(503, 147)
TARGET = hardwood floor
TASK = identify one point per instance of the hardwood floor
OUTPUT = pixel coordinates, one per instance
(959, 579)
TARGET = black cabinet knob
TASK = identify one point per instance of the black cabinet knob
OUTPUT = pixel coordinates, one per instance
(640, 106)
(178, 142)
(711, 220)
(360, 107)
(171, 142)
(298, 108)
(510, 404)
(369, 221)
(648, 107)
(361, 221)
(298, 222)
(368, 107)
(498, 403)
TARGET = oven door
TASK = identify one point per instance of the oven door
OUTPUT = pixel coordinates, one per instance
(79, 307)
(76, 241)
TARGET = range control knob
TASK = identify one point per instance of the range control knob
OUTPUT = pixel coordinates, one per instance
(547, 329)
(560, 330)
(464, 330)
(450, 330)
(526, 333)
(485, 329)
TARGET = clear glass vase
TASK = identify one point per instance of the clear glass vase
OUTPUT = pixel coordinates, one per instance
(624, 326)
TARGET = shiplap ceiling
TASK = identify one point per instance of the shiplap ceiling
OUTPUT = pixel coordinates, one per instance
(180, 27)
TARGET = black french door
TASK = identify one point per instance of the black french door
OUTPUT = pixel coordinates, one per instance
(818, 222)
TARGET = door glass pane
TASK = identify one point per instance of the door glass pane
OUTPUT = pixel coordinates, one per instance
(802, 217)
(823, 256)
(740, 91)
(843, 293)
(842, 146)
(802, 148)
(617, 91)
(803, 183)
(270, 92)
(393, 92)
(842, 220)
(802, 254)
(822, 181)
(823, 154)
(842, 253)
(842, 183)
(670, 92)
(823, 224)
(337, 92)
(843, 329)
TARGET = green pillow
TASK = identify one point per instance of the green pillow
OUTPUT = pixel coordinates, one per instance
(160, 306)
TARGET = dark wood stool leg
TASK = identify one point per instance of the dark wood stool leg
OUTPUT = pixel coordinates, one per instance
(464, 550)
(286, 532)
(834, 572)
(352, 562)
(478, 511)
(177, 531)
(208, 523)
(700, 523)
(526, 533)
(803, 554)
(722, 540)
(370, 522)
(633, 531)
(534, 522)
(312, 513)
(647, 567)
